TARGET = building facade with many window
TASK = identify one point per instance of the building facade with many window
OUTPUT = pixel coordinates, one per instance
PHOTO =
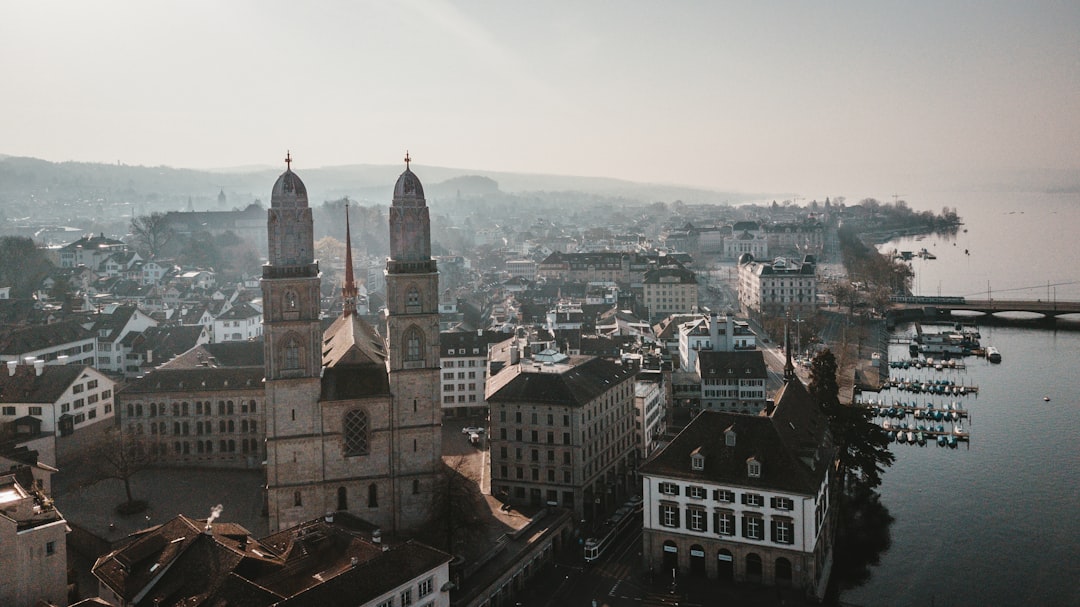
(781, 286)
(464, 371)
(743, 498)
(670, 290)
(562, 432)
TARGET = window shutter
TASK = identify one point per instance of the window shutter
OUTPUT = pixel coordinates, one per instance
(677, 513)
(772, 530)
(744, 500)
(772, 502)
(686, 491)
(745, 529)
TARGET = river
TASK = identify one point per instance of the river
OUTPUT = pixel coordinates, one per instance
(995, 521)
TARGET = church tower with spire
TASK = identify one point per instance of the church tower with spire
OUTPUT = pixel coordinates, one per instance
(413, 356)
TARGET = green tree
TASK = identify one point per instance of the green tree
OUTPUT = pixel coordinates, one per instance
(863, 447)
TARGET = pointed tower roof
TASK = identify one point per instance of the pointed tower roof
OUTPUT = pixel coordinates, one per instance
(789, 369)
(348, 291)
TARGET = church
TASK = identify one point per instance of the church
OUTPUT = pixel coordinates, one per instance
(352, 417)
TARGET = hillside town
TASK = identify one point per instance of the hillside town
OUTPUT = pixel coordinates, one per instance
(431, 429)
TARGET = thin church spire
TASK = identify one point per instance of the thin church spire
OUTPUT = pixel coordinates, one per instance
(348, 292)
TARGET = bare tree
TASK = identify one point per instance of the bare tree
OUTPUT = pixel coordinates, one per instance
(458, 505)
(120, 455)
(152, 233)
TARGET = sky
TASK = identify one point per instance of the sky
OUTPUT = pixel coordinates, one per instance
(752, 96)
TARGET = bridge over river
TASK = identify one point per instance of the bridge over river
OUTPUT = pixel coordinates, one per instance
(908, 308)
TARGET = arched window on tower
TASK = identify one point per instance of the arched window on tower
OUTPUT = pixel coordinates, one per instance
(414, 345)
(356, 433)
(292, 353)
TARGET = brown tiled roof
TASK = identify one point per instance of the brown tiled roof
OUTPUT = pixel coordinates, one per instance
(574, 385)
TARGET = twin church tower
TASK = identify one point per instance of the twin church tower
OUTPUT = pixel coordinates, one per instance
(353, 418)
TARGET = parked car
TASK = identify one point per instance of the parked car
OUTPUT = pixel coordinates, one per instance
(472, 430)
(474, 439)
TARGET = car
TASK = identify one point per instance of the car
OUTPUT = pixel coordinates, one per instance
(472, 430)
(475, 439)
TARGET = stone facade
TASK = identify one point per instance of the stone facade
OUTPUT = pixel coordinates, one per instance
(353, 421)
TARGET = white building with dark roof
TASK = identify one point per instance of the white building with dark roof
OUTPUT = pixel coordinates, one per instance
(464, 357)
(61, 343)
(745, 498)
(242, 322)
(56, 400)
(779, 287)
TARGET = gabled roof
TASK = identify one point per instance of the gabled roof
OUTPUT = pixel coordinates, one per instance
(26, 386)
(354, 360)
(239, 311)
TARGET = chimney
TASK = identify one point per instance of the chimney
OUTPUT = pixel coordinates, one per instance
(39, 367)
(12, 364)
(514, 354)
(376, 536)
(714, 332)
(729, 326)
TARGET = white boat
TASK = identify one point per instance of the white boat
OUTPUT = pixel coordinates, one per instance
(992, 354)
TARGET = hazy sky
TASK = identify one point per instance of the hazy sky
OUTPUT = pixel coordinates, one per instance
(759, 96)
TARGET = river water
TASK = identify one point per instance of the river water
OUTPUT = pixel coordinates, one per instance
(996, 521)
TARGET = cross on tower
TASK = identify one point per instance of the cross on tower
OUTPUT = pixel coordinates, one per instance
(407, 159)
(288, 160)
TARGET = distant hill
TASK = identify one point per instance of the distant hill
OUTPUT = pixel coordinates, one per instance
(367, 183)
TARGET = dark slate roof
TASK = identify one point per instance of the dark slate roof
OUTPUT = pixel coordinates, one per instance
(758, 437)
(680, 274)
(29, 339)
(226, 354)
(575, 384)
(26, 386)
(739, 364)
(196, 379)
(239, 311)
(164, 342)
(354, 360)
(467, 340)
(372, 577)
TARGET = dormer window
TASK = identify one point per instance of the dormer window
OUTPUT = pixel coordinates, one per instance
(729, 438)
(697, 461)
(753, 468)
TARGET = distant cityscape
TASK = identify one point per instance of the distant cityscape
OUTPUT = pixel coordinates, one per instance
(443, 400)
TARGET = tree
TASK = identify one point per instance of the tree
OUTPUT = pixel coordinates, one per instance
(152, 233)
(120, 455)
(457, 503)
(863, 446)
(24, 265)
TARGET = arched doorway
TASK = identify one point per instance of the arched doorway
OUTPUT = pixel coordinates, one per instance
(670, 563)
(753, 568)
(725, 566)
(697, 561)
(783, 572)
